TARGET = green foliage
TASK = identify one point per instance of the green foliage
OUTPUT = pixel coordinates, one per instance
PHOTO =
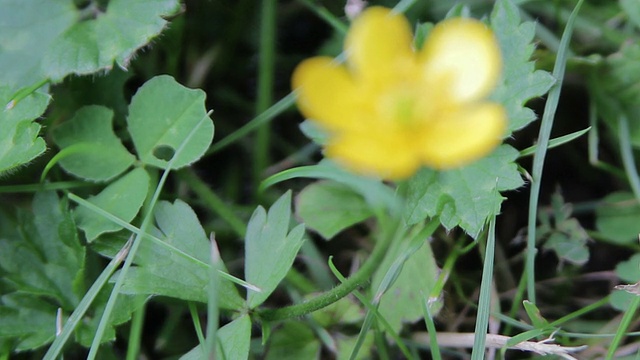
(520, 81)
(177, 264)
(122, 198)
(161, 115)
(233, 342)
(19, 134)
(270, 248)
(617, 218)
(330, 207)
(51, 39)
(94, 151)
(464, 197)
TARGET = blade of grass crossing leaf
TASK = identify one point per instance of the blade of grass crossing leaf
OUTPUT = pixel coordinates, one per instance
(158, 241)
(431, 328)
(541, 150)
(195, 317)
(255, 123)
(556, 142)
(75, 318)
(265, 86)
(484, 302)
(622, 329)
(104, 320)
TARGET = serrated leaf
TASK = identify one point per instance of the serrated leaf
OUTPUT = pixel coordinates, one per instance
(50, 39)
(270, 248)
(122, 198)
(44, 262)
(329, 207)
(161, 115)
(19, 140)
(520, 81)
(233, 342)
(463, 197)
(617, 218)
(180, 268)
(100, 155)
(402, 302)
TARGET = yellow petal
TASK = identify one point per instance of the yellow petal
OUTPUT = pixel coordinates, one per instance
(379, 46)
(462, 56)
(387, 156)
(463, 136)
(326, 92)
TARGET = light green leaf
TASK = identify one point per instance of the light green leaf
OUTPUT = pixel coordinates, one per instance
(270, 248)
(41, 257)
(402, 302)
(329, 207)
(43, 39)
(122, 198)
(100, 156)
(161, 115)
(19, 141)
(233, 342)
(181, 268)
(617, 218)
(463, 197)
(520, 81)
(629, 272)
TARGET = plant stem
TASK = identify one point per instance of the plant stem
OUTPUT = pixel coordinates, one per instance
(356, 280)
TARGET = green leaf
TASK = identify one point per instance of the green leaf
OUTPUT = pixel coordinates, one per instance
(270, 248)
(122, 198)
(46, 245)
(520, 81)
(178, 268)
(19, 141)
(233, 342)
(293, 341)
(101, 155)
(463, 197)
(629, 272)
(161, 115)
(329, 207)
(632, 9)
(51, 39)
(533, 312)
(613, 85)
(617, 218)
(402, 302)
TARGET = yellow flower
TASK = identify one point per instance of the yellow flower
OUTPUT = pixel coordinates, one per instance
(391, 109)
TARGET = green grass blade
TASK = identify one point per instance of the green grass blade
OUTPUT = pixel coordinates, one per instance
(255, 123)
(484, 303)
(556, 142)
(543, 142)
(622, 329)
(431, 328)
(327, 16)
(75, 318)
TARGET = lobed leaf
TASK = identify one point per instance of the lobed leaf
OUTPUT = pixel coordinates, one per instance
(19, 134)
(270, 248)
(463, 197)
(520, 81)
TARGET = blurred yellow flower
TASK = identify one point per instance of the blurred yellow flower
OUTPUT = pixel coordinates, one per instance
(391, 109)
